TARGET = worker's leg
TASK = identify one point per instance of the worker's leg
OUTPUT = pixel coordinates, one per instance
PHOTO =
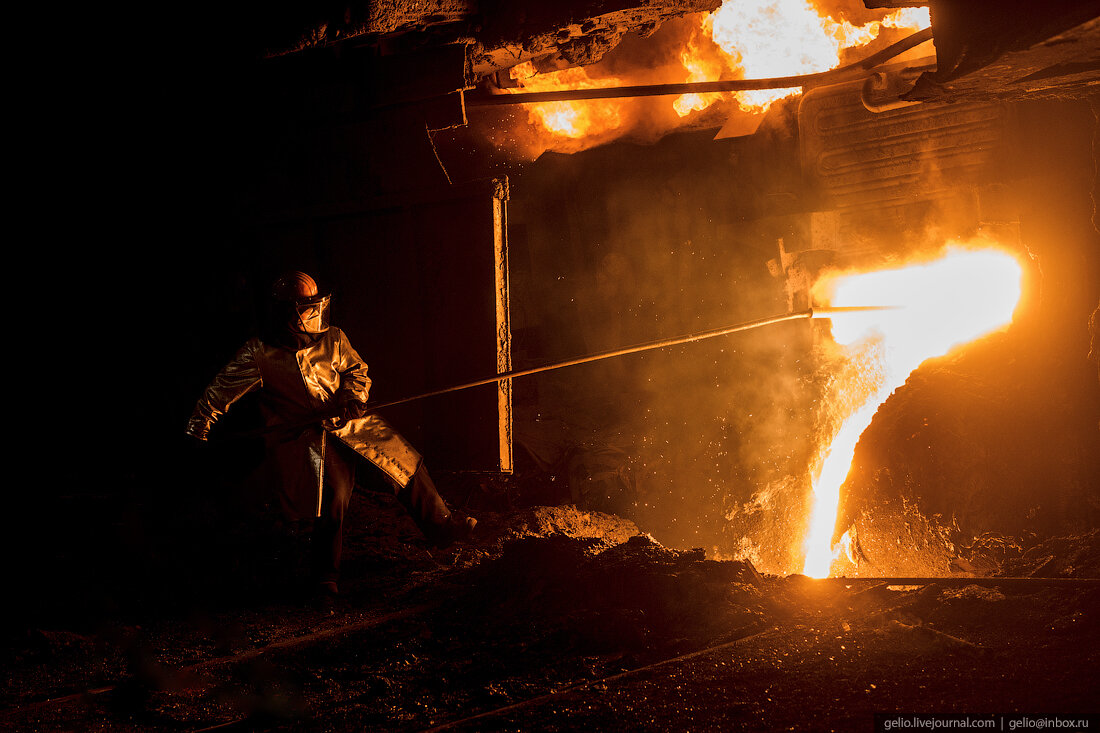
(427, 508)
(328, 529)
(422, 501)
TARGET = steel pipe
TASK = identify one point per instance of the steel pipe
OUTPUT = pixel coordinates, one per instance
(955, 582)
(647, 346)
(849, 72)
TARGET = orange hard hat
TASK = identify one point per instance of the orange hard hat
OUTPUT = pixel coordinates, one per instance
(293, 286)
(302, 308)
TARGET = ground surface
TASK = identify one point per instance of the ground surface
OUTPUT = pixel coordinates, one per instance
(554, 619)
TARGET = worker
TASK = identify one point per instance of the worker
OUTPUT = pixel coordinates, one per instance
(312, 391)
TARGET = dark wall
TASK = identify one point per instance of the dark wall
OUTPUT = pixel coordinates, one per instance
(160, 157)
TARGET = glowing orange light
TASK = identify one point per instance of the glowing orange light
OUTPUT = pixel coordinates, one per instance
(522, 71)
(569, 119)
(701, 67)
(770, 38)
(962, 296)
(755, 39)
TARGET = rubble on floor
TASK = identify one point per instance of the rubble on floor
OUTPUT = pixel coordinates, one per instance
(553, 618)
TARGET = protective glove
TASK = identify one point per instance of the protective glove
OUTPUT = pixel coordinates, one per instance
(349, 409)
(198, 431)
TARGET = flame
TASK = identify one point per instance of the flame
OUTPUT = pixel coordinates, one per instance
(770, 38)
(569, 119)
(700, 66)
(742, 39)
(960, 297)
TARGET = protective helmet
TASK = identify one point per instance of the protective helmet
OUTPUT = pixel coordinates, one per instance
(299, 304)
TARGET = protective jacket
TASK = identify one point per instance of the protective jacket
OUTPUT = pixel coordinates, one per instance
(295, 386)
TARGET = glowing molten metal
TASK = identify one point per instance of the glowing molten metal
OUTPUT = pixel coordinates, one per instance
(945, 303)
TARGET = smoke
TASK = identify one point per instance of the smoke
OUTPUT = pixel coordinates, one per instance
(776, 434)
(627, 244)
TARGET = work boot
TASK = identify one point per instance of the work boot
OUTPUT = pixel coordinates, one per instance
(326, 595)
(440, 526)
(454, 529)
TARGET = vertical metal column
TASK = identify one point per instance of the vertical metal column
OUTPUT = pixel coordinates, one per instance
(503, 328)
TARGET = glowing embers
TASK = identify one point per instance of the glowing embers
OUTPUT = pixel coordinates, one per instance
(957, 298)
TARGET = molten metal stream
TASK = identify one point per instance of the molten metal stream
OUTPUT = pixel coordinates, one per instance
(948, 302)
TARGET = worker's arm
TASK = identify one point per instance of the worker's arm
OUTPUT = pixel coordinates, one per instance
(354, 389)
(236, 379)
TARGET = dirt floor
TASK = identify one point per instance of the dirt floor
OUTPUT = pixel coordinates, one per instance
(550, 619)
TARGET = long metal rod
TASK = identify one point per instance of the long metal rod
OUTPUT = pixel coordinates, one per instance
(987, 582)
(647, 346)
(843, 73)
(291, 427)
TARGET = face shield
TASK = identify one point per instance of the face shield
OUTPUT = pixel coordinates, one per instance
(309, 315)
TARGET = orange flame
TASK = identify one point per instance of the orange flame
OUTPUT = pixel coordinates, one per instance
(770, 38)
(701, 66)
(742, 39)
(569, 119)
(960, 297)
